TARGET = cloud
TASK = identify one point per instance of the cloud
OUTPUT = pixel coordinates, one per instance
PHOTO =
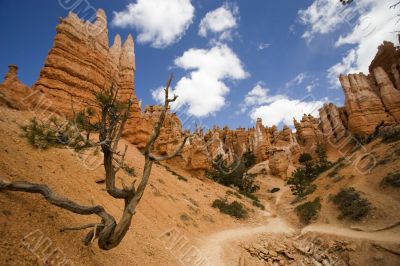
(364, 25)
(204, 90)
(263, 46)
(276, 109)
(322, 16)
(283, 110)
(376, 24)
(159, 22)
(343, 67)
(257, 96)
(221, 21)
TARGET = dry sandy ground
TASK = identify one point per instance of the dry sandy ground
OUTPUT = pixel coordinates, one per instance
(170, 209)
(175, 223)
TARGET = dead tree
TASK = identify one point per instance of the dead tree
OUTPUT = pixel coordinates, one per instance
(112, 120)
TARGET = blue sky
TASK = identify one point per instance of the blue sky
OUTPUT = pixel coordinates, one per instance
(233, 61)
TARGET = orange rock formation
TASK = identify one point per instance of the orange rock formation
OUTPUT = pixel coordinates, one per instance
(81, 63)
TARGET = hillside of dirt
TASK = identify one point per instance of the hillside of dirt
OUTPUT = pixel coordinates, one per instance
(177, 203)
(175, 221)
(323, 190)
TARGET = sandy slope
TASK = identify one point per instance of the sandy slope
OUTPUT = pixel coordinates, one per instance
(174, 217)
(168, 205)
(391, 235)
(216, 244)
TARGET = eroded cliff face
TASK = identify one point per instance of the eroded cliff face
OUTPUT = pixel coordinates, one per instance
(373, 100)
(81, 63)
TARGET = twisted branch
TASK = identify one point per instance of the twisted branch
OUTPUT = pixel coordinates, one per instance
(112, 123)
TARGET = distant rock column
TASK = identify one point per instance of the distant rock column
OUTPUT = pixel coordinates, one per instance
(390, 95)
(364, 107)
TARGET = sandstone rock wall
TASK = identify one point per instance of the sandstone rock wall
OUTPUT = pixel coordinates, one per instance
(388, 57)
(279, 162)
(373, 99)
(81, 63)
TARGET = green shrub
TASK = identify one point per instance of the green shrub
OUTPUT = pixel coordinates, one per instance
(258, 204)
(305, 157)
(308, 211)
(359, 140)
(52, 132)
(43, 135)
(309, 189)
(129, 170)
(234, 209)
(234, 174)
(230, 192)
(274, 190)
(300, 183)
(249, 159)
(321, 151)
(351, 205)
(249, 195)
(184, 217)
(392, 179)
(181, 178)
(333, 173)
(390, 134)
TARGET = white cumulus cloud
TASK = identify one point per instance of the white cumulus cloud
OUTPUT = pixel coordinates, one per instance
(283, 110)
(220, 21)
(343, 67)
(322, 16)
(364, 25)
(159, 22)
(277, 109)
(257, 96)
(204, 90)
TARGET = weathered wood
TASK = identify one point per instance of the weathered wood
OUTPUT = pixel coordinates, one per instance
(112, 123)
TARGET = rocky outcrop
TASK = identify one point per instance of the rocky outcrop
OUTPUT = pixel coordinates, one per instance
(388, 58)
(308, 133)
(171, 134)
(333, 127)
(389, 95)
(262, 141)
(16, 94)
(372, 100)
(278, 162)
(80, 64)
(363, 105)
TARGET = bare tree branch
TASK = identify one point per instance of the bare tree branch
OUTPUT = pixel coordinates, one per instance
(395, 5)
(82, 227)
(111, 126)
(167, 157)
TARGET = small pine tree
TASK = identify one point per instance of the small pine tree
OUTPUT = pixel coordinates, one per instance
(234, 174)
(306, 160)
(249, 159)
(321, 151)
